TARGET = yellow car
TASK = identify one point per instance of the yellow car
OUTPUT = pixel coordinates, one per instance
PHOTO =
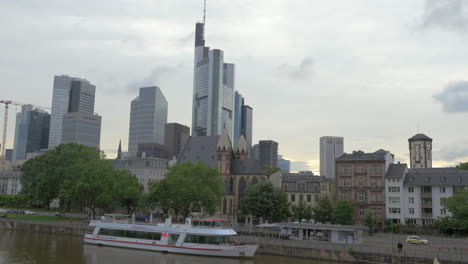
(417, 240)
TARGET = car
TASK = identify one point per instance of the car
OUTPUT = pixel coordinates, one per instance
(58, 214)
(3, 210)
(417, 240)
(142, 218)
(3, 216)
(12, 211)
(29, 212)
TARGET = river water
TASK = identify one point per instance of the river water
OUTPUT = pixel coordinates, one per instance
(39, 248)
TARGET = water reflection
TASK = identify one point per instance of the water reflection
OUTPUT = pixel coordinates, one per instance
(40, 248)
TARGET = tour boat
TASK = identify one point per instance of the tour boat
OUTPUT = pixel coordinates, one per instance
(197, 236)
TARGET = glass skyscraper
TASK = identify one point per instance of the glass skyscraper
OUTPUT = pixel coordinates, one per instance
(213, 89)
(148, 117)
(31, 133)
(70, 95)
(243, 120)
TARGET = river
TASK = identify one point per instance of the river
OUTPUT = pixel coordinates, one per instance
(39, 248)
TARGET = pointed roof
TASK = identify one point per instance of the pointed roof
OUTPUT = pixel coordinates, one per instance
(420, 137)
(119, 151)
(241, 145)
(224, 143)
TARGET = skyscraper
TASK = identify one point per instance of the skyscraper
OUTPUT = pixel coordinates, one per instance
(243, 115)
(175, 137)
(148, 117)
(81, 128)
(70, 95)
(268, 150)
(31, 133)
(330, 149)
(213, 89)
(284, 164)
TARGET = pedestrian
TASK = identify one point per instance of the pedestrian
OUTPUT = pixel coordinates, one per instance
(400, 247)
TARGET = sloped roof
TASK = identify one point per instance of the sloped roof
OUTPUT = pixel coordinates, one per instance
(201, 148)
(437, 176)
(360, 155)
(312, 183)
(241, 145)
(246, 167)
(224, 142)
(419, 137)
(396, 170)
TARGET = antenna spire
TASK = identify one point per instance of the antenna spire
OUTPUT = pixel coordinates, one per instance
(204, 11)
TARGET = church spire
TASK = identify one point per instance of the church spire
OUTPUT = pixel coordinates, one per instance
(119, 151)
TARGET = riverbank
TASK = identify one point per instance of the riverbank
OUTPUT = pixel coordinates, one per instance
(269, 246)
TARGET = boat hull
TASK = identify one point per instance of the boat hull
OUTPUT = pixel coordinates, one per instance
(236, 250)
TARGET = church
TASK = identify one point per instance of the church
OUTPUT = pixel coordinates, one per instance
(235, 166)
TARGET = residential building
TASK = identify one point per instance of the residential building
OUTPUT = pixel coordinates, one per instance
(233, 164)
(148, 117)
(301, 187)
(70, 94)
(6, 165)
(31, 133)
(283, 164)
(81, 128)
(175, 138)
(330, 149)
(414, 196)
(420, 147)
(213, 89)
(10, 182)
(146, 170)
(328, 189)
(268, 153)
(360, 180)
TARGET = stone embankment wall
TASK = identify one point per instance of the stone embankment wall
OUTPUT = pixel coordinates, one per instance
(77, 229)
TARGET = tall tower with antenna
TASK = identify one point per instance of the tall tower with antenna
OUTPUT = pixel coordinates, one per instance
(213, 88)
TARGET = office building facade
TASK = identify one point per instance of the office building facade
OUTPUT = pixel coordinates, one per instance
(82, 128)
(268, 153)
(148, 117)
(213, 90)
(175, 138)
(283, 164)
(31, 132)
(70, 94)
(330, 149)
(243, 120)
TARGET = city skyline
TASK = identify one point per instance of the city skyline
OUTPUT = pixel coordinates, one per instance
(368, 68)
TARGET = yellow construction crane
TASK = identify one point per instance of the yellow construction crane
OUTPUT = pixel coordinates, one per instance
(5, 121)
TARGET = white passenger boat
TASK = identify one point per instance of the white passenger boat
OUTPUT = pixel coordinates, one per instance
(198, 237)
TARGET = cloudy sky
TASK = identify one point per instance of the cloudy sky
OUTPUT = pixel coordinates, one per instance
(374, 72)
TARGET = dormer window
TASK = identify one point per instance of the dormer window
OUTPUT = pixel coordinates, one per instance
(459, 179)
(428, 179)
(442, 179)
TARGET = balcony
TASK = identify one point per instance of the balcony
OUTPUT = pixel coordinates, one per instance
(426, 194)
(426, 215)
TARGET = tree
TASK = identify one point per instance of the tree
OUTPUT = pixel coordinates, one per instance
(261, 200)
(189, 187)
(280, 207)
(43, 175)
(343, 213)
(462, 166)
(301, 211)
(128, 190)
(457, 205)
(323, 212)
(270, 170)
(370, 220)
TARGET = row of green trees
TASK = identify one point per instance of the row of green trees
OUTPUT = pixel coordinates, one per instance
(80, 177)
(13, 201)
(262, 200)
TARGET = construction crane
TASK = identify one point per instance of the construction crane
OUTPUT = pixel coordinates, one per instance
(5, 120)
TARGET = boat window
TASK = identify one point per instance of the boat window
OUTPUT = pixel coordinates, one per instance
(207, 239)
(130, 234)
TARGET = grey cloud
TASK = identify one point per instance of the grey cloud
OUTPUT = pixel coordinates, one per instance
(151, 79)
(302, 71)
(445, 14)
(187, 38)
(454, 97)
(454, 153)
(300, 166)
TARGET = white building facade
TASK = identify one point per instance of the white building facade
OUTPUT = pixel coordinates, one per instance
(330, 149)
(414, 196)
